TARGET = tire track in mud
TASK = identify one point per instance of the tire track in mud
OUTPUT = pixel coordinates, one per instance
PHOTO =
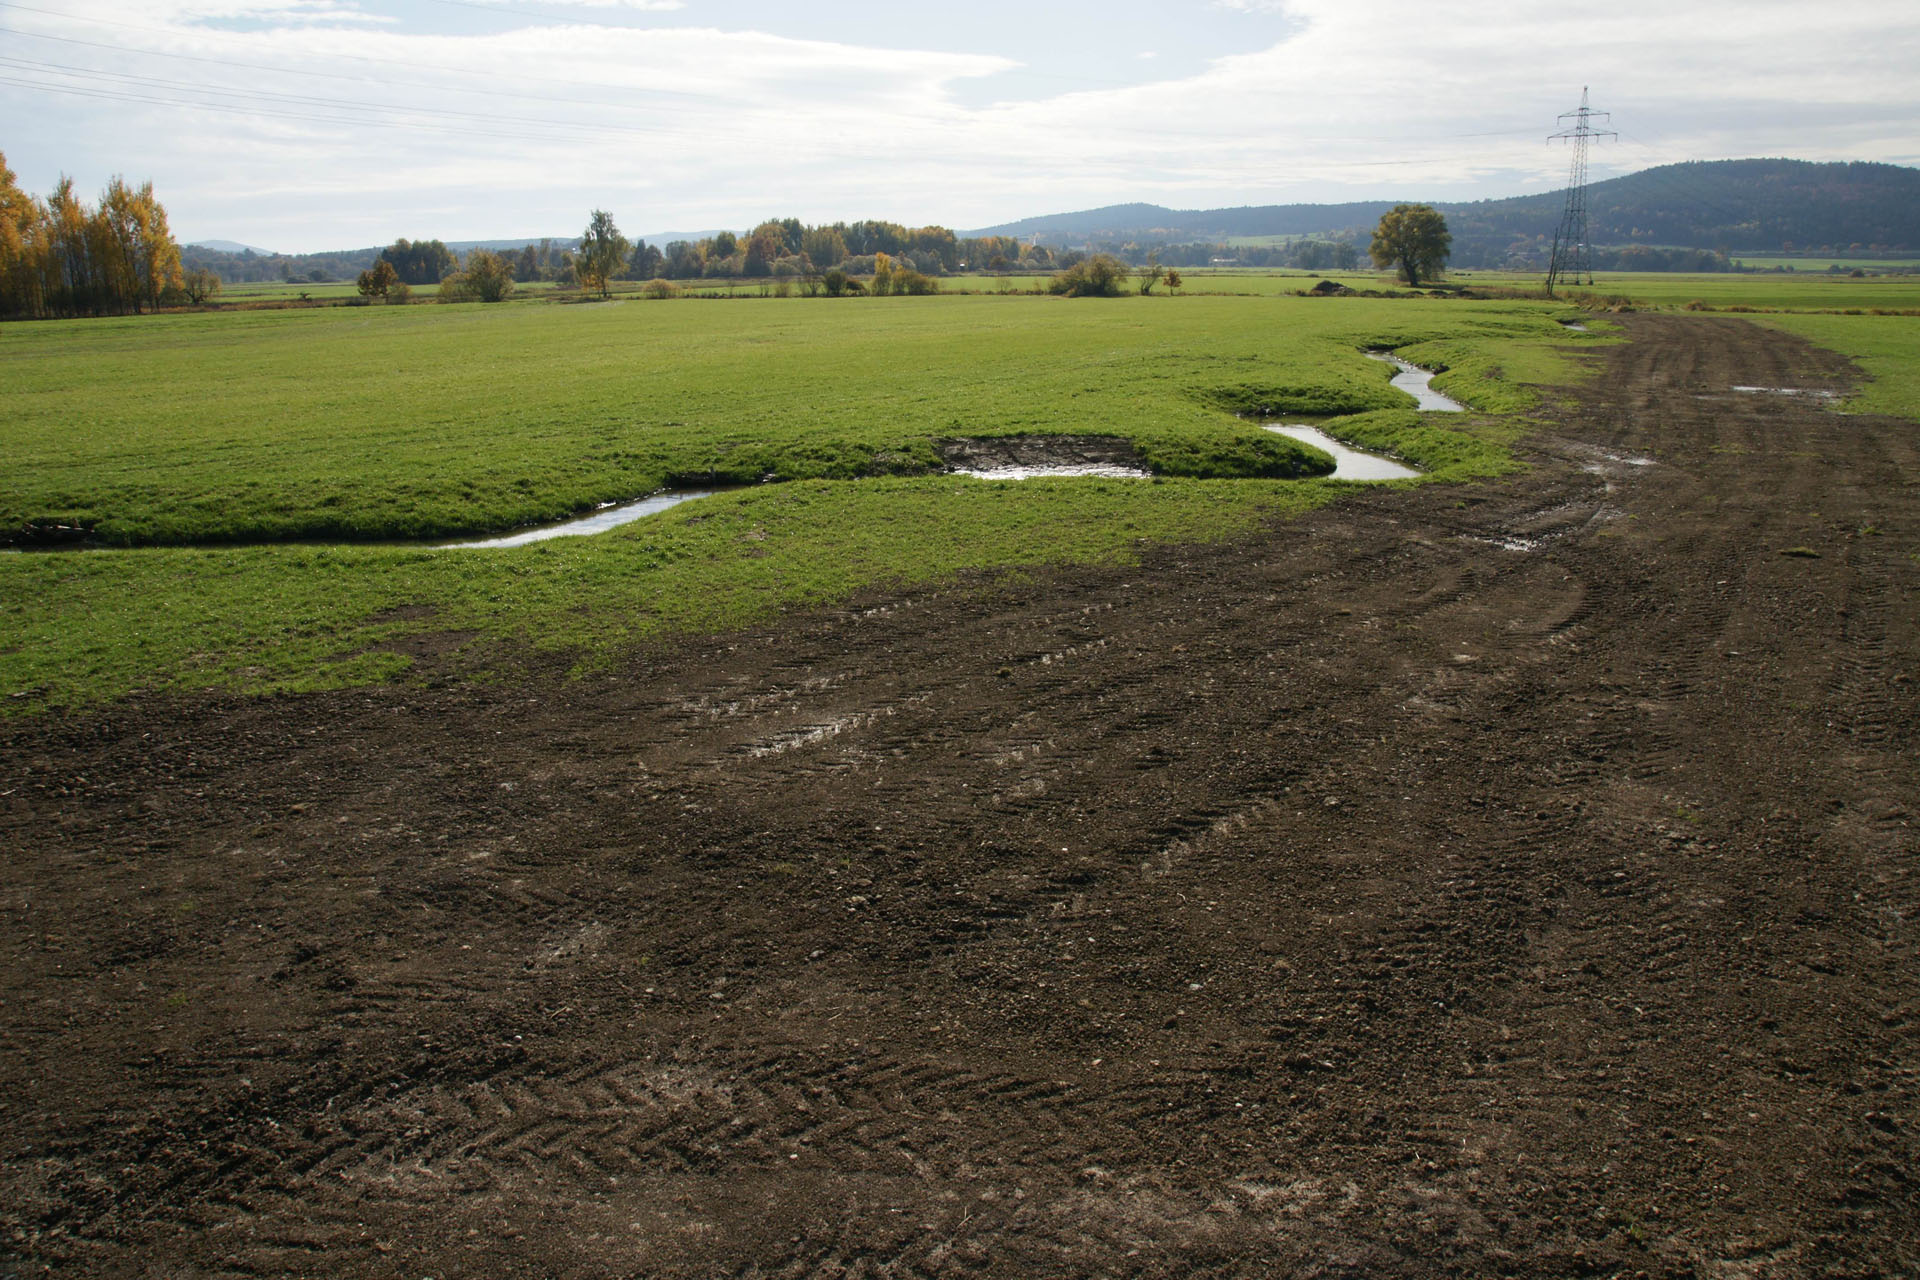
(1523, 886)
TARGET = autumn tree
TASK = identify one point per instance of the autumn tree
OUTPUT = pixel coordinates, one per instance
(602, 253)
(765, 245)
(378, 280)
(59, 257)
(21, 219)
(138, 260)
(1413, 238)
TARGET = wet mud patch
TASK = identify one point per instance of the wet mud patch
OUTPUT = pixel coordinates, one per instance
(405, 613)
(1017, 457)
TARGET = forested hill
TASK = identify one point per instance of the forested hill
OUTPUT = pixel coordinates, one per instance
(1742, 206)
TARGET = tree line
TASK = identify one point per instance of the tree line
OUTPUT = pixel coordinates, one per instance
(60, 257)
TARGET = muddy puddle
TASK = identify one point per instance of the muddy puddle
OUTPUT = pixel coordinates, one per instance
(1035, 457)
(609, 516)
(1800, 393)
(1418, 383)
(1349, 463)
(1574, 325)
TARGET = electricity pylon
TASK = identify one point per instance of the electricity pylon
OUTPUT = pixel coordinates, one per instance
(1571, 253)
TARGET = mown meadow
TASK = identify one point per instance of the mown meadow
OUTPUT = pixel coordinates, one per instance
(265, 467)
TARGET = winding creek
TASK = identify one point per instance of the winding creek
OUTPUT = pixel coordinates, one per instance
(1349, 463)
(1418, 383)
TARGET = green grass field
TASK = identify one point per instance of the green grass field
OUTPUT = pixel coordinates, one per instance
(408, 422)
(386, 422)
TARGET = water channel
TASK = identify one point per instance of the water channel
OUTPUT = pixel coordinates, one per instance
(608, 516)
(1349, 463)
(1418, 383)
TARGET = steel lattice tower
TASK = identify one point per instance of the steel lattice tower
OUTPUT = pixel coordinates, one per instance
(1571, 253)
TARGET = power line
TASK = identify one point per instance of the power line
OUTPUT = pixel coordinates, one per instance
(1570, 249)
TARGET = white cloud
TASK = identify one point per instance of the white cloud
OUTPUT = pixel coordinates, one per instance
(651, 6)
(465, 136)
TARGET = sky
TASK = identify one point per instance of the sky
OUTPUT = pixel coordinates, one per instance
(306, 125)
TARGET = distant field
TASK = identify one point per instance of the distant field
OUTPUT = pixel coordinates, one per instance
(290, 290)
(387, 421)
(1822, 264)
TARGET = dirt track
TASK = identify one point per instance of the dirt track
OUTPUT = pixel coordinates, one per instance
(1506, 880)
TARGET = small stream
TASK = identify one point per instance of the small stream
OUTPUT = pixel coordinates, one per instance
(1349, 463)
(1418, 383)
(609, 516)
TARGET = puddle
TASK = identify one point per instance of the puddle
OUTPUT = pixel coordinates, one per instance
(1574, 325)
(1349, 463)
(608, 516)
(1804, 393)
(1508, 543)
(1418, 383)
(1033, 457)
(1036, 473)
(1609, 463)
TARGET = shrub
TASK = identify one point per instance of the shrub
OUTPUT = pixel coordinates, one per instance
(908, 281)
(1101, 276)
(657, 288)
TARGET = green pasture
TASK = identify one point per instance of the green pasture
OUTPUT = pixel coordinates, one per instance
(286, 291)
(411, 422)
(390, 422)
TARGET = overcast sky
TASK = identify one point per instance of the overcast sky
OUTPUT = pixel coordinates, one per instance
(300, 125)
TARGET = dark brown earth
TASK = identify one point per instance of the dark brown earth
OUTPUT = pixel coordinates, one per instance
(1509, 880)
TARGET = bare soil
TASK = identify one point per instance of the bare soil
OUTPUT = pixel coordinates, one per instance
(984, 453)
(1503, 880)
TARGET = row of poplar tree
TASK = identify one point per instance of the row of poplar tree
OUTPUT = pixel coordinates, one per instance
(58, 257)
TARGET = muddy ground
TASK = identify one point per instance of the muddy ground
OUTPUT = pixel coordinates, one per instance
(1506, 880)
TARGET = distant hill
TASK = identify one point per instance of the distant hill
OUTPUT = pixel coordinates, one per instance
(231, 246)
(1140, 221)
(1743, 206)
